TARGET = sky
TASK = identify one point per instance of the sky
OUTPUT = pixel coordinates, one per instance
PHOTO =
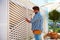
(39, 2)
(43, 2)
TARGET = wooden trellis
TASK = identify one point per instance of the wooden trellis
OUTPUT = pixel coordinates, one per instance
(18, 27)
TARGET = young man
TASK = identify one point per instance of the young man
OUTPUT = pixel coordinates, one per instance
(37, 23)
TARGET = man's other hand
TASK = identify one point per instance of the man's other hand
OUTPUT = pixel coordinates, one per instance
(27, 20)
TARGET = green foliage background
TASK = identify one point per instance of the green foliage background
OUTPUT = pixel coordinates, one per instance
(54, 15)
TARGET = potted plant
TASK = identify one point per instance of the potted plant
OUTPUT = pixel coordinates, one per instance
(54, 15)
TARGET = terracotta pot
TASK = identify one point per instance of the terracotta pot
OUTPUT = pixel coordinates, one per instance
(53, 35)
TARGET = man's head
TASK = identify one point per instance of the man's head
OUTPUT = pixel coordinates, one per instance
(36, 9)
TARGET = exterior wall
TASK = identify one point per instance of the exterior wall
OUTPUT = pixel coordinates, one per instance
(3, 19)
(44, 13)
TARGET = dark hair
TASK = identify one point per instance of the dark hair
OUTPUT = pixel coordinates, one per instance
(35, 8)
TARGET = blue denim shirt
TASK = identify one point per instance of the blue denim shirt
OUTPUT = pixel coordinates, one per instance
(37, 22)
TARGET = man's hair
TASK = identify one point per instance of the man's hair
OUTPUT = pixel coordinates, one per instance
(35, 8)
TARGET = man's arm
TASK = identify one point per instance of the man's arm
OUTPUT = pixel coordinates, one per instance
(35, 18)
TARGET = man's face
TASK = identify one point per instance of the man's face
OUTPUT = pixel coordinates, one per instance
(35, 11)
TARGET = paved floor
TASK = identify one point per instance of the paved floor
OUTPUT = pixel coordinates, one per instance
(33, 39)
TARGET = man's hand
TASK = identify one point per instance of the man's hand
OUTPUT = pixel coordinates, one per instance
(27, 20)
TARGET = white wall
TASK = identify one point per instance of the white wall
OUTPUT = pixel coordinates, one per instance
(3, 19)
(44, 13)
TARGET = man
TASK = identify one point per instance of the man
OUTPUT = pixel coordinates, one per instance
(37, 23)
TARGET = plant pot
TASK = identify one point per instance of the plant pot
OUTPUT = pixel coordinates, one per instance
(53, 35)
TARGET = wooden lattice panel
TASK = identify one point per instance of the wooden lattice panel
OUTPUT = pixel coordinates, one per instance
(18, 28)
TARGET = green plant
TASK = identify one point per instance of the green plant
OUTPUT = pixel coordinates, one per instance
(57, 30)
(54, 16)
